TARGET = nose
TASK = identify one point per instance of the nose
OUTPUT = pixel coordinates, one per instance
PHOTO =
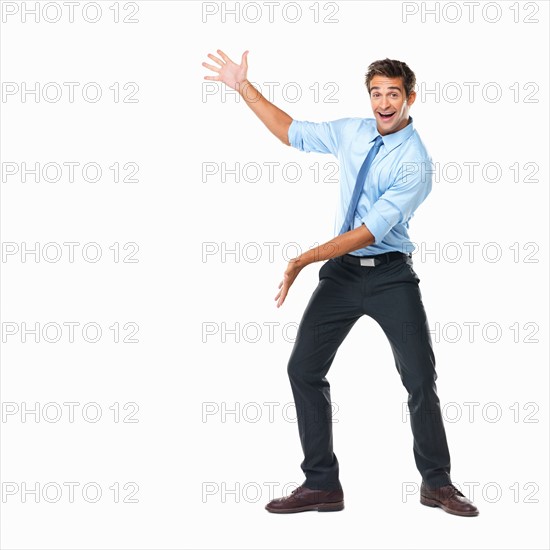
(384, 103)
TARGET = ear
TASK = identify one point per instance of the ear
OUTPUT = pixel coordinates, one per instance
(411, 98)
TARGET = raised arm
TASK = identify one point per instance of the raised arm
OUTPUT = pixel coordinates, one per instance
(234, 76)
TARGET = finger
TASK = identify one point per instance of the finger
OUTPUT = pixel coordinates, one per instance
(279, 293)
(244, 60)
(211, 78)
(211, 67)
(224, 57)
(282, 298)
(216, 59)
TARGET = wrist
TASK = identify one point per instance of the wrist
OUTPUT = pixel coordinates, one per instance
(243, 87)
(304, 259)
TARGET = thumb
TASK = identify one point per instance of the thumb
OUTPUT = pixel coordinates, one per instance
(244, 61)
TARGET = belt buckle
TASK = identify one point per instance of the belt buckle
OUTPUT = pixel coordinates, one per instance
(367, 262)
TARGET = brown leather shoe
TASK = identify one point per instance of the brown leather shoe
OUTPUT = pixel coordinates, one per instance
(303, 499)
(449, 498)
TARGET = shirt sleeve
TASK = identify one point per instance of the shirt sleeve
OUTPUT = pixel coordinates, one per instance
(398, 203)
(318, 137)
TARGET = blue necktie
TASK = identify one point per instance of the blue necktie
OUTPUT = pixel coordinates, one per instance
(348, 222)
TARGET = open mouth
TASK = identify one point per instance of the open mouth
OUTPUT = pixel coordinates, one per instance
(386, 116)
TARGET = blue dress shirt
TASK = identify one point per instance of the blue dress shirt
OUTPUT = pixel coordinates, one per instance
(399, 179)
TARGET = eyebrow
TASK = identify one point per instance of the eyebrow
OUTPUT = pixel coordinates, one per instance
(389, 88)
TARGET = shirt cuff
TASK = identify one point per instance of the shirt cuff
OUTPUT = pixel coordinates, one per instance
(376, 224)
(292, 131)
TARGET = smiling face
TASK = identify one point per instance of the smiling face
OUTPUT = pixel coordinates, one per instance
(390, 104)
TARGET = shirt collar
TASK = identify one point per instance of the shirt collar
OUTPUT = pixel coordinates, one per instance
(391, 141)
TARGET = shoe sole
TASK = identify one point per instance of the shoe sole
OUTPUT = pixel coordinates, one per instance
(436, 504)
(324, 507)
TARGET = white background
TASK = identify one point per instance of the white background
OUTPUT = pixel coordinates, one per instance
(203, 479)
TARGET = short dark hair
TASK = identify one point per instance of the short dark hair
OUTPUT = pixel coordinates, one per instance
(391, 68)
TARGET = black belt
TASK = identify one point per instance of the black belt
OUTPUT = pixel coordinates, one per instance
(373, 261)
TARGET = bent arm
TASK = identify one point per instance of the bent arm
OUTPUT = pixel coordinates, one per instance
(234, 76)
(352, 240)
(340, 245)
(275, 119)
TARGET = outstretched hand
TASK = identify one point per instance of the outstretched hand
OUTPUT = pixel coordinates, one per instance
(293, 269)
(229, 72)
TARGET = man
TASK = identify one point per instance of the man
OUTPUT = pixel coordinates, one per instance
(383, 179)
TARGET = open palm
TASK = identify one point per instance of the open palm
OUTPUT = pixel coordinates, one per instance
(229, 72)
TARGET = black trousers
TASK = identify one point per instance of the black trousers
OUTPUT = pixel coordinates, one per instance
(389, 293)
